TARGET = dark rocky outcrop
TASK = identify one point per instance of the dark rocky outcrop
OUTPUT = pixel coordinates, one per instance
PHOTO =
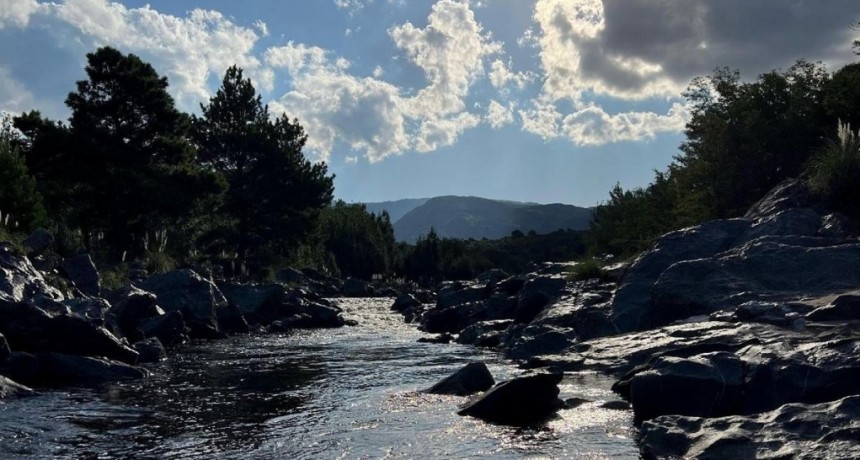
(441, 338)
(169, 328)
(81, 271)
(28, 328)
(264, 304)
(354, 287)
(187, 292)
(62, 369)
(470, 379)
(12, 389)
(536, 294)
(38, 241)
(131, 306)
(521, 401)
(150, 350)
(21, 282)
(797, 431)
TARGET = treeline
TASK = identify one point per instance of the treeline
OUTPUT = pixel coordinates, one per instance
(742, 140)
(130, 179)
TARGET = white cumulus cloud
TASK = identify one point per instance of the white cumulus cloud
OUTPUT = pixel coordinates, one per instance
(17, 12)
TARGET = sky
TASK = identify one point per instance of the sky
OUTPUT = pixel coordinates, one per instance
(548, 101)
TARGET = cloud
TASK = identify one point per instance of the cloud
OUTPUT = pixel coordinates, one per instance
(591, 125)
(500, 76)
(189, 50)
(498, 115)
(376, 117)
(14, 97)
(639, 49)
(17, 12)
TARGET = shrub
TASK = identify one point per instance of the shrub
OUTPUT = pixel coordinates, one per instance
(833, 173)
(586, 270)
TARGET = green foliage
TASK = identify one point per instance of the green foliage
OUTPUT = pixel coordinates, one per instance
(833, 173)
(19, 199)
(586, 270)
(744, 138)
(114, 277)
(273, 192)
(842, 95)
(361, 243)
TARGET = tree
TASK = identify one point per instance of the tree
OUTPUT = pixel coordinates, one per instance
(744, 138)
(842, 96)
(20, 202)
(273, 191)
(361, 243)
(132, 166)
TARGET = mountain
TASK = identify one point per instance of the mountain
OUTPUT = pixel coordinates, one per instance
(396, 209)
(472, 217)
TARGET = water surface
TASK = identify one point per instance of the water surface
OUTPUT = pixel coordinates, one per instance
(344, 393)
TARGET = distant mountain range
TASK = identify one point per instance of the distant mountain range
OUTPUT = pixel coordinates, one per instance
(472, 217)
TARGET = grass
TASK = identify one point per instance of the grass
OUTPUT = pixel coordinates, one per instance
(833, 173)
(586, 270)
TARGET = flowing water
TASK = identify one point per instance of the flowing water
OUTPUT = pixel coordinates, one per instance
(344, 393)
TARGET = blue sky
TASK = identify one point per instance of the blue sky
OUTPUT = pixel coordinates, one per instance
(528, 100)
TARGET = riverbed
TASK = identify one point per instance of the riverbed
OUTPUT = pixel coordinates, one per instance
(328, 394)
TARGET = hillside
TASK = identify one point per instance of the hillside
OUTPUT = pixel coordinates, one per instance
(396, 209)
(472, 217)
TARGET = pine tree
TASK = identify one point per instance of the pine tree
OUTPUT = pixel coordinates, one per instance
(19, 199)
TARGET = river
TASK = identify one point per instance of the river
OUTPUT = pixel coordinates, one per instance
(327, 394)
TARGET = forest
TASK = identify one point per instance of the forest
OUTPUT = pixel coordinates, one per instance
(132, 180)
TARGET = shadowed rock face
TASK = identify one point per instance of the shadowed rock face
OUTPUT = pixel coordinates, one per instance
(470, 379)
(521, 402)
(829, 430)
(187, 292)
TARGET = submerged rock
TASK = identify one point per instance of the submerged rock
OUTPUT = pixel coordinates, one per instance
(58, 368)
(470, 379)
(521, 401)
(150, 350)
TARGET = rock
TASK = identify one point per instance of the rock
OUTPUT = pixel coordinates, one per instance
(521, 401)
(470, 379)
(491, 277)
(131, 306)
(767, 269)
(441, 338)
(150, 350)
(27, 328)
(616, 405)
(21, 367)
(457, 293)
(231, 320)
(291, 276)
(451, 319)
(58, 368)
(81, 271)
(169, 328)
(790, 222)
(706, 385)
(631, 303)
(837, 226)
(20, 281)
(187, 292)
(322, 315)
(791, 193)
(512, 285)
(10, 389)
(5, 351)
(536, 294)
(38, 241)
(843, 307)
(354, 287)
(89, 308)
(259, 303)
(483, 332)
(573, 403)
(828, 430)
(405, 302)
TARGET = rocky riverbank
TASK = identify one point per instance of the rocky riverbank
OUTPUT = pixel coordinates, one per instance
(736, 338)
(59, 327)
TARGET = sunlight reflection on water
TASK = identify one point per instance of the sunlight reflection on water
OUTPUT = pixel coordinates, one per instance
(346, 393)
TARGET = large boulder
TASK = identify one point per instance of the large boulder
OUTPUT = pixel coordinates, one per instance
(187, 292)
(150, 350)
(521, 401)
(20, 281)
(536, 294)
(89, 308)
(842, 307)
(706, 385)
(797, 431)
(632, 301)
(28, 328)
(231, 320)
(169, 328)
(458, 293)
(405, 302)
(791, 193)
(130, 307)
(63, 369)
(354, 287)
(765, 269)
(81, 271)
(5, 350)
(470, 379)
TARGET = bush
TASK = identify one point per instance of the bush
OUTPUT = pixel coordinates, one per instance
(833, 173)
(586, 270)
